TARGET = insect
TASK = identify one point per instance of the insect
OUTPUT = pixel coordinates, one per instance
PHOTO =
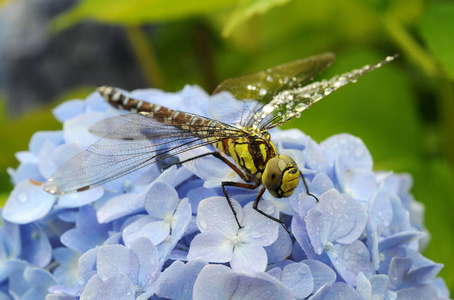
(153, 133)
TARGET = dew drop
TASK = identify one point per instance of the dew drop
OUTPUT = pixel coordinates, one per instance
(327, 246)
(202, 224)
(262, 92)
(22, 197)
(104, 278)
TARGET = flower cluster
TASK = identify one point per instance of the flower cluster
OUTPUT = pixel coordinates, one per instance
(171, 234)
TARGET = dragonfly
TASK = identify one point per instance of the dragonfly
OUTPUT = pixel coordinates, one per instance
(152, 133)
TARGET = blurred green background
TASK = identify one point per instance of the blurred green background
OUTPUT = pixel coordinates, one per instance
(404, 112)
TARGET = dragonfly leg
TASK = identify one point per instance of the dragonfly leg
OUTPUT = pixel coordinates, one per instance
(237, 184)
(307, 188)
(217, 155)
(255, 206)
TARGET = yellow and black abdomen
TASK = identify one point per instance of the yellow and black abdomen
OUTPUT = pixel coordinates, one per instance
(250, 154)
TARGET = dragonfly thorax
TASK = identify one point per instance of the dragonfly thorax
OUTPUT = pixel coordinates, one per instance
(281, 176)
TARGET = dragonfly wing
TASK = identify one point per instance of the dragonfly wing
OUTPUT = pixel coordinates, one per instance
(263, 86)
(133, 141)
(290, 103)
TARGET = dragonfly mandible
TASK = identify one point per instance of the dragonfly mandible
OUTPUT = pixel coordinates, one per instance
(153, 133)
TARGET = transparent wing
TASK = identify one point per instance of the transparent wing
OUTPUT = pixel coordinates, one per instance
(262, 87)
(133, 141)
(290, 103)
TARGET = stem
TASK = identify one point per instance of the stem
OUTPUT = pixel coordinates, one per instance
(146, 57)
(446, 94)
(411, 48)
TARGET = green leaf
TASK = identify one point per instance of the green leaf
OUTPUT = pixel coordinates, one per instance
(246, 10)
(437, 30)
(136, 12)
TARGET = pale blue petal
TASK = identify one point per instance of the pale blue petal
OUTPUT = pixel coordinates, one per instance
(115, 259)
(39, 138)
(36, 247)
(120, 206)
(381, 210)
(298, 278)
(181, 219)
(25, 171)
(257, 228)
(116, 286)
(149, 227)
(281, 249)
(322, 274)
(212, 247)
(161, 200)
(352, 148)
(215, 214)
(147, 254)
(177, 281)
(27, 203)
(220, 282)
(363, 286)
(76, 130)
(422, 292)
(398, 268)
(335, 291)
(249, 258)
(88, 232)
(351, 259)
(80, 199)
(335, 218)
(68, 110)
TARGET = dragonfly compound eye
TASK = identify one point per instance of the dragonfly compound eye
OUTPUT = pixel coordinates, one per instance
(281, 176)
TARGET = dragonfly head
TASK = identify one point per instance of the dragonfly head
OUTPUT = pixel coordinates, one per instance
(281, 176)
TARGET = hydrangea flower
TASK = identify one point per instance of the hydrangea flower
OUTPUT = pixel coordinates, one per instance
(171, 233)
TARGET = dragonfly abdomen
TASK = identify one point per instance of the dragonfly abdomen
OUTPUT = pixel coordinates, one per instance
(250, 153)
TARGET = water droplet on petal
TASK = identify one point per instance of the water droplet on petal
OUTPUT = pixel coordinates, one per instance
(22, 197)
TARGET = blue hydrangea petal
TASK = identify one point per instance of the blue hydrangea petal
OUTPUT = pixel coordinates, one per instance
(25, 171)
(356, 155)
(10, 238)
(36, 247)
(359, 183)
(351, 259)
(257, 228)
(421, 292)
(336, 218)
(76, 130)
(148, 258)
(398, 268)
(87, 267)
(249, 258)
(114, 259)
(281, 249)
(220, 282)
(315, 158)
(335, 291)
(27, 203)
(161, 200)
(298, 277)
(66, 273)
(181, 219)
(363, 286)
(117, 286)
(80, 199)
(380, 287)
(290, 138)
(95, 102)
(321, 273)
(115, 208)
(40, 281)
(177, 281)
(40, 137)
(215, 214)
(211, 246)
(88, 232)
(146, 226)
(302, 237)
(399, 238)
(380, 209)
(197, 194)
(68, 110)
(441, 287)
